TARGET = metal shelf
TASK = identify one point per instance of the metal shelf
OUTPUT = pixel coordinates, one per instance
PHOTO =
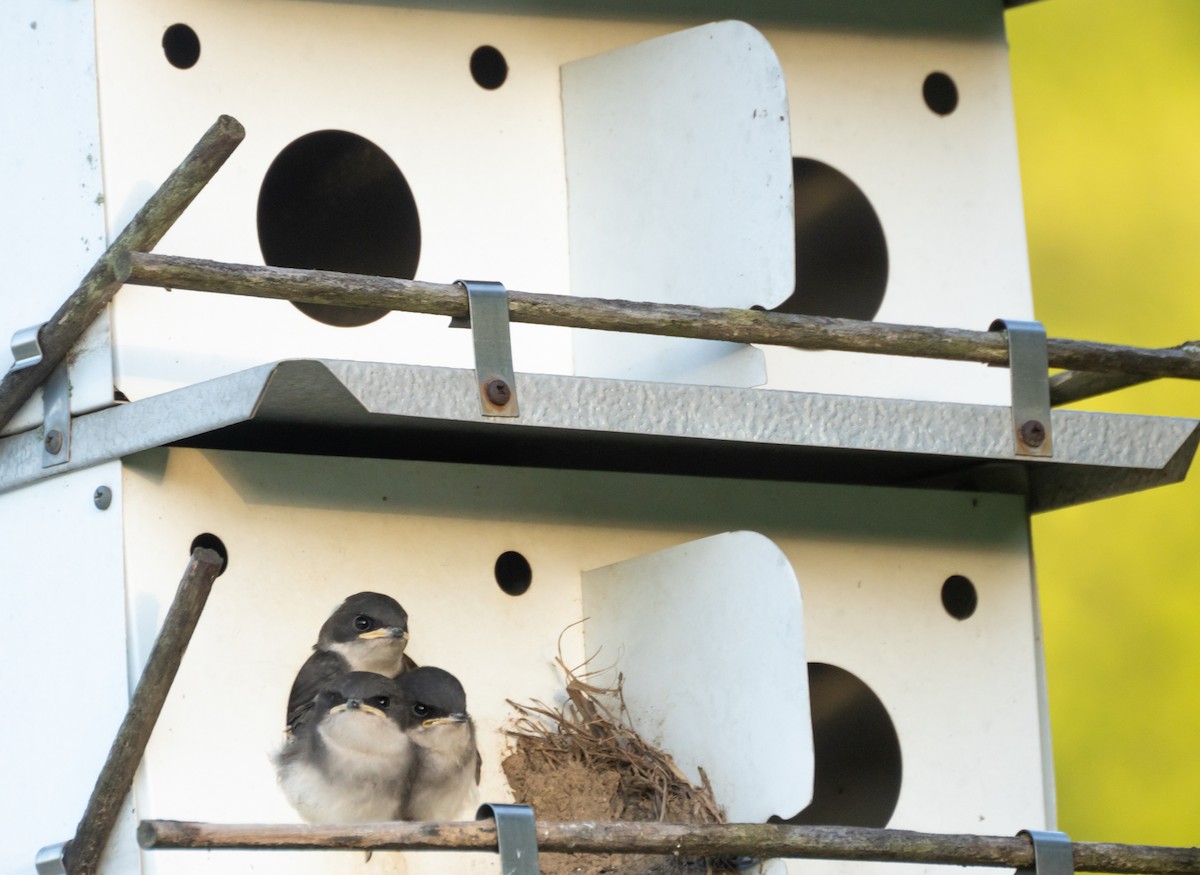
(365, 409)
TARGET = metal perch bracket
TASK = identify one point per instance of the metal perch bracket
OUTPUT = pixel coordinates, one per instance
(51, 860)
(1028, 369)
(516, 837)
(27, 347)
(56, 417)
(56, 396)
(488, 321)
(1052, 853)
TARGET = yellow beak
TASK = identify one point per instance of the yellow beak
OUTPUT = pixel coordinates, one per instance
(385, 632)
(366, 709)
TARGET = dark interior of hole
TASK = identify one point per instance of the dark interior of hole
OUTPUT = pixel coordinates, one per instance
(211, 542)
(959, 597)
(857, 753)
(841, 252)
(333, 200)
(181, 45)
(513, 573)
(489, 69)
(940, 93)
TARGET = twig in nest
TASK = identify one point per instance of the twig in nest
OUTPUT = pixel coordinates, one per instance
(585, 730)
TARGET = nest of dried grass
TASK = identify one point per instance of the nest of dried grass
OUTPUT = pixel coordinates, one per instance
(584, 762)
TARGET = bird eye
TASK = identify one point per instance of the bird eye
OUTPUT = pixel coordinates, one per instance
(362, 623)
(420, 710)
(381, 702)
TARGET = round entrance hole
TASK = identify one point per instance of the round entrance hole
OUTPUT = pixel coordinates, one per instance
(513, 573)
(959, 597)
(332, 200)
(940, 93)
(181, 45)
(841, 253)
(209, 541)
(489, 69)
(857, 773)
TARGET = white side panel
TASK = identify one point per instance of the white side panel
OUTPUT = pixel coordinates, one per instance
(485, 166)
(302, 533)
(52, 223)
(721, 612)
(488, 174)
(946, 189)
(64, 670)
(679, 191)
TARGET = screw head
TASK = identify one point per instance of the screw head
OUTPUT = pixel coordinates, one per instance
(498, 392)
(1033, 433)
(102, 497)
(53, 442)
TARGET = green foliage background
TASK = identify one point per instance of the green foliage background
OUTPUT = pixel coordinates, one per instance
(1108, 117)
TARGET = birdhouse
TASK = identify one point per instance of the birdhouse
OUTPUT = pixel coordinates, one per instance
(811, 567)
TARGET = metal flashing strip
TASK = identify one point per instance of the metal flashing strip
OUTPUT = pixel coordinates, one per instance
(347, 408)
(125, 429)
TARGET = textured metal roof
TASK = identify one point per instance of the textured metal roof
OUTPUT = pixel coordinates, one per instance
(345, 408)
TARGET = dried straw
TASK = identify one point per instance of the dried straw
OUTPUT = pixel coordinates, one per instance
(584, 730)
(592, 731)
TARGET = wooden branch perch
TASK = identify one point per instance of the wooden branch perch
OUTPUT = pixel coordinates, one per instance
(143, 232)
(1072, 386)
(82, 854)
(674, 320)
(761, 840)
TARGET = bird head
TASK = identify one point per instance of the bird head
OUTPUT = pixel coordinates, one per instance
(364, 692)
(433, 697)
(365, 616)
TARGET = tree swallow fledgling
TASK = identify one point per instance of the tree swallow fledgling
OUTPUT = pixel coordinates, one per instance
(367, 632)
(445, 778)
(350, 761)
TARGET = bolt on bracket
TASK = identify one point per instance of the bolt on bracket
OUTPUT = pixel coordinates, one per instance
(56, 417)
(516, 837)
(489, 326)
(56, 396)
(1052, 853)
(1028, 368)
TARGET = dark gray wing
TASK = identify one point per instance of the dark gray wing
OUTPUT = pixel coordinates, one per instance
(318, 671)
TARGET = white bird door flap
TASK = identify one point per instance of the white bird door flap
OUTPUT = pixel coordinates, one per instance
(679, 187)
(709, 636)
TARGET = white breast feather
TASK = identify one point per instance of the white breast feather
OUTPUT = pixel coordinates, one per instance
(383, 656)
(444, 785)
(362, 777)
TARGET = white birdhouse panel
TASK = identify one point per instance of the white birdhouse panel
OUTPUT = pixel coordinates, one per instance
(375, 143)
(679, 184)
(65, 672)
(908, 200)
(53, 217)
(689, 607)
(917, 610)
(431, 144)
